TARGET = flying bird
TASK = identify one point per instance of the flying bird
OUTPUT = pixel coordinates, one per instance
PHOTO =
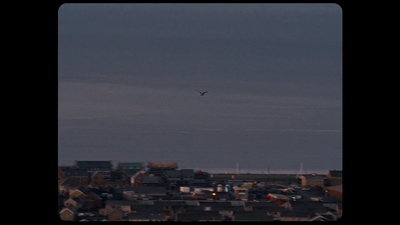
(201, 93)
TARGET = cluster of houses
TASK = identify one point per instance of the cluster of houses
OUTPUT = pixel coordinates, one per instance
(100, 173)
(331, 183)
(94, 191)
(202, 210)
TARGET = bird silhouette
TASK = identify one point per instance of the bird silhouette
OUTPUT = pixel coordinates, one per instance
(201, 93)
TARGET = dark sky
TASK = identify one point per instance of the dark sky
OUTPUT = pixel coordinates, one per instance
(127, 75)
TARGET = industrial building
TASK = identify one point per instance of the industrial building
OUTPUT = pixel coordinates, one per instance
(104, 167)
(158, 168)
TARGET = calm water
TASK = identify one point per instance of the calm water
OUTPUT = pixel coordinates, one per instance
(212, 150)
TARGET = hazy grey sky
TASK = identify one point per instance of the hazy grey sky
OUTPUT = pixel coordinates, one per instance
(127, 75)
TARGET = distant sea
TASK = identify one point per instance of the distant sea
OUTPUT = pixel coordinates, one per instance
(282, 152)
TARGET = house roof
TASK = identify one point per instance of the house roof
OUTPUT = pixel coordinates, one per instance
(94, 164)
(147, 190)
(77, 200)
(279, 196)
(294, 214)
(187, 172)
(199, 216)
(201, 174)
(77, 192)
(191, 202)
(147, 208)
(94, 194)
(64, 181)
(194, 208)
(96, 173)
(148, 216)
(213, 204)
(268, 204)
(323, 218)
(335, 173)
(137, 173)
(93, 218)
(227, 208)
(64, 168)
(200, 180)
(76, 173)
(130, 172)
(71, 208)
(252, 216)
(338, 188)
(313, 207)
(151, 179)
(121, 202)
(117, 210)
(169, 203)
(172, 173)
(157, 216)
(269, 208)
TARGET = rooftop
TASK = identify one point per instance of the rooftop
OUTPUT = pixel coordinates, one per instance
(176, 173)
(166, 164)
(252, 216)
(121, 202)
(146, 190)
(151, 179)
(295, 214)
(130, 165)
(338, 188)
(187, 172)
(313, 207)
(76, 173)
(146, 216)
(199, 216)
(335, 173)
(94, 164)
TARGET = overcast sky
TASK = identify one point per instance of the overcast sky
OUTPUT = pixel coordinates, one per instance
(127, 75)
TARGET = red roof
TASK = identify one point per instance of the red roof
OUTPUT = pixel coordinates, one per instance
(163, 165)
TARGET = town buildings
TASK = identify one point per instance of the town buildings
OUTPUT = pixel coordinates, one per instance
(126, 166)
(158, 168)
(334, 191)
(312, 180)
(334, 177)
(137, 178)
(172, 194)
(104, 167)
